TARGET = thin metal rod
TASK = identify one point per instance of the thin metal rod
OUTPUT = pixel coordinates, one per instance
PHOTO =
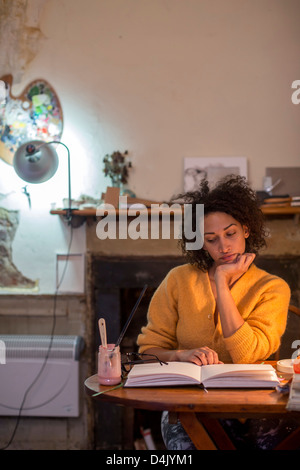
(131, 315)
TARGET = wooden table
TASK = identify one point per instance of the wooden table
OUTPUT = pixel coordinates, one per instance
(199, 411)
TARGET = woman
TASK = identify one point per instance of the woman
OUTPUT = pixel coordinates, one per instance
(219, 307)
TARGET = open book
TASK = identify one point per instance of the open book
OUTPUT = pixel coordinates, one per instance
(215, 375)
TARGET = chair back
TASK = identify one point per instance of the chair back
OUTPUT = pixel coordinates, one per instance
(290, 340)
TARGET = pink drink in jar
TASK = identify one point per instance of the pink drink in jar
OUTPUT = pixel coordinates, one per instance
(109, 365)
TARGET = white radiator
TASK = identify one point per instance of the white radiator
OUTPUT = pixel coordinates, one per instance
(56, 392)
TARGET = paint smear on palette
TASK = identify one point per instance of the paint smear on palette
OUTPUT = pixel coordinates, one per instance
(35, 114)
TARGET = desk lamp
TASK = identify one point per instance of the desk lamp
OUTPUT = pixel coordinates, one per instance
(37, 161)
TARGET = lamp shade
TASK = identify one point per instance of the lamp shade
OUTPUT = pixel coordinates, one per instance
(35, 161)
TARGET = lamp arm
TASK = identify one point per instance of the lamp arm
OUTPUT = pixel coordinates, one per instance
(29, 153)
(34, 150)
(69, 210)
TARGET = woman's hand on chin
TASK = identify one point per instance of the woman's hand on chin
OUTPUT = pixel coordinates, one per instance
(231, 272)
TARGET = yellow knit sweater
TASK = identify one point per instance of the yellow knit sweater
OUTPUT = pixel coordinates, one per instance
(181, 315)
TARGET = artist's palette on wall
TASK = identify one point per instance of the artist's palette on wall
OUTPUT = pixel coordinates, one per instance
(36, 114)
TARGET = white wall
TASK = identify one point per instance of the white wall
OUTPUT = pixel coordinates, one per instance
(165, 79)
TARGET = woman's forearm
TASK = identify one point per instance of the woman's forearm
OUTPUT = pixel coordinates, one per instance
(225, 277)
(230, 317)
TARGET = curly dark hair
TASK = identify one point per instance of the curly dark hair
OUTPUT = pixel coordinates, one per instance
(233, 196)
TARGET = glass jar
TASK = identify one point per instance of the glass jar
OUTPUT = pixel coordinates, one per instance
(109, 365)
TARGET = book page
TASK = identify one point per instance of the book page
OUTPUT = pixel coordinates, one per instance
(187, 369)
(238, 370)
(156, 374)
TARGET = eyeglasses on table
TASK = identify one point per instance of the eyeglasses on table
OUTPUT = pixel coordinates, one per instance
(132, 358)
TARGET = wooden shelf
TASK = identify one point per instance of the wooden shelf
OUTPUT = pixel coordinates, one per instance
(80, 212)
(280, 210)
(266, 209)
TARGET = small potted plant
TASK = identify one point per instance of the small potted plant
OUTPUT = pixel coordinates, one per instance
(116, 167)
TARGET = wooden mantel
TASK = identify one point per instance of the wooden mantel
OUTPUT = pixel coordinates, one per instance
(277, 206)
(267, 209)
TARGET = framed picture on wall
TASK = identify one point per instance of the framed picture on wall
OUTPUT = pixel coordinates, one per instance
(211, 168)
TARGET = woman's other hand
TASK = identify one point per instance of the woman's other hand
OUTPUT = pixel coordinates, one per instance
(200, 356)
